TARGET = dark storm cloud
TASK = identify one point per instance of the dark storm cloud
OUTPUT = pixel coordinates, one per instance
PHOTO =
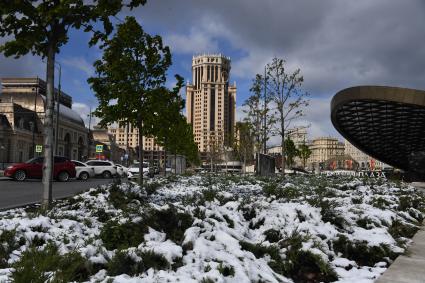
(335, 43)
(25, 66)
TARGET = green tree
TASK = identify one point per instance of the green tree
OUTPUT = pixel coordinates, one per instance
(181, 141)
(173, 132)
(244, 142)
(287, 95)
(290, 153)
(129, 78)
(258, 113)
(41, 28)
(304, 152)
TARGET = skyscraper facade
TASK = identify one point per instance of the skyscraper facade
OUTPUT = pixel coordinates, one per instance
(211, 102)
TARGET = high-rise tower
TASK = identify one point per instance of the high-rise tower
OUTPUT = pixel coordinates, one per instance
(211, 101)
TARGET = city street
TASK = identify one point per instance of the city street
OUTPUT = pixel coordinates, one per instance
(13, 194)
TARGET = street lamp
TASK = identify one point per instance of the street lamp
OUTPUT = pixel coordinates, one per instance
(57, 109)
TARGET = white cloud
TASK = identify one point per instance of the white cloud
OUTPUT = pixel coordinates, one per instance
(196, 41)
(316, 119)
(79, 63)
(84, 110)
(240, 115)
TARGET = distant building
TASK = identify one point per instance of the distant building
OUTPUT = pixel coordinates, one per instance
(364, 161)
(111, 150)
(324, 149)
(211, 102)
(128, 136)
(299, 137)
(22, 112)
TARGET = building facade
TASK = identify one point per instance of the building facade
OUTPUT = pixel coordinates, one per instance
(211, 102)
(324, 149)
(366, 162)
(22, 112)
(387, 123)
(299, 137)
(127, 138)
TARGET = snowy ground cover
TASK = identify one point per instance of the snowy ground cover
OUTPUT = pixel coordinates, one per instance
(214, 229)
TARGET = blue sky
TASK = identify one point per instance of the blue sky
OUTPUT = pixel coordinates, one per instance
(336, 44)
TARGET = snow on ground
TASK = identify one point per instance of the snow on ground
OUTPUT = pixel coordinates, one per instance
(216, 229)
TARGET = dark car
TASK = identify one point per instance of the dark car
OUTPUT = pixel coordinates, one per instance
(63, 169)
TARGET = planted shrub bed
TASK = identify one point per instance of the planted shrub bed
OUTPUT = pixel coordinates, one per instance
(214, 229)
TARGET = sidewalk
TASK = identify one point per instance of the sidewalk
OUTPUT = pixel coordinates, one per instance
(409, 268)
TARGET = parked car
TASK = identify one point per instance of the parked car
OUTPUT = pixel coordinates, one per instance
(121, 170)
(134, 168)
(63, 169)
(84, 171)
(106, 169)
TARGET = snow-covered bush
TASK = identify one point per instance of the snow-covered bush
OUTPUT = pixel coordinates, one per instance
(216, 228)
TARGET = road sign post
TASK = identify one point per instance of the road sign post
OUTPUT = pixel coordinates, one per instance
(39, 148)
(99, 149)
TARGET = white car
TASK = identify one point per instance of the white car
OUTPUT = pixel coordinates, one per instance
(106, 169)
(121, 170)
(83, 171)
(133, 170)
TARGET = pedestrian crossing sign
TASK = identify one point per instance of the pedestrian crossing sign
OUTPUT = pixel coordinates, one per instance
(38, 148)
(99, 148)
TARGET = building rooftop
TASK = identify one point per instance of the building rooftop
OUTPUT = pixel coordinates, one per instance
(210, 55)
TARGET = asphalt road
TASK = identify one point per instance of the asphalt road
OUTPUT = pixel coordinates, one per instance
(13, 194)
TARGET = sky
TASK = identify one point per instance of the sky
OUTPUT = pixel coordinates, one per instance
(336, 44)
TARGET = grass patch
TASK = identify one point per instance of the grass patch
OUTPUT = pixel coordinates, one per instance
(272, 235)
(229, 221)
(122, 236)
(400, 229)
(122, 199)
(39, 266)
(7, 245)
(151, 187)
(226, 270)
(123, 263)
(170, 221)
(288, 193)
(362, 253)
(300, 265)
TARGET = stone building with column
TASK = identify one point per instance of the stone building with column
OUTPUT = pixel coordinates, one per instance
(127, 138)
(365, 162)
(324, 149)
(22, 112)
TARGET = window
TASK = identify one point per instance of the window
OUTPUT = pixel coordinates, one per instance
(21, 123)
(60, 159)
(37, 160)
(78, 164)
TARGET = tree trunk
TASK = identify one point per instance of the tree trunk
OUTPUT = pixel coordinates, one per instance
(48, 129)
(283, 148)
(175, 163)
(244, 163)
(140, 153)
(165, 161)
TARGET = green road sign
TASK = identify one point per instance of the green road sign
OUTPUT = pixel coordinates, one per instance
(38, 148)
(99, 148)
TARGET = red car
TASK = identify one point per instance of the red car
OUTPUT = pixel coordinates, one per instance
(63, 169)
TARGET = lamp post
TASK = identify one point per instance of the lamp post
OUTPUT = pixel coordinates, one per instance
(34, 118)
(57, 110)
